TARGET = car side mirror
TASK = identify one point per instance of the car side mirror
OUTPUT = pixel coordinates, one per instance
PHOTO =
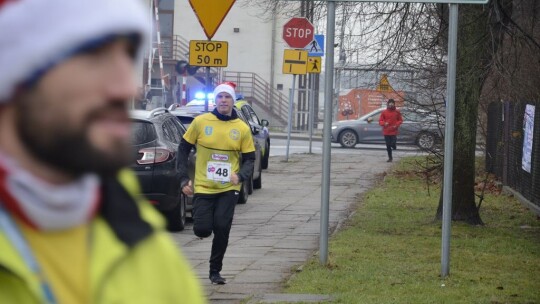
(369, 120)
(265, 123)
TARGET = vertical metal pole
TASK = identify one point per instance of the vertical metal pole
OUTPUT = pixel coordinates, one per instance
(289, 120)
(311, 110)
(327, 131)
(449, 139)
(341, 62)
(208, 89)
(150, 51)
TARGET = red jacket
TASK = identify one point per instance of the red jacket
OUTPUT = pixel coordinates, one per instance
(390, 120)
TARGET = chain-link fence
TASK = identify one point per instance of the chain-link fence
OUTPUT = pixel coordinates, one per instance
(513, 147)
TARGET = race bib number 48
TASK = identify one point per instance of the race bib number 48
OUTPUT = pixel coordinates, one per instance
(218, 171)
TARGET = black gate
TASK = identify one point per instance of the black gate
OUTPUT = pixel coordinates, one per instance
(505, 146)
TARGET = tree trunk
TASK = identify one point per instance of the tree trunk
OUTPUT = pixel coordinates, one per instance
(472, 64)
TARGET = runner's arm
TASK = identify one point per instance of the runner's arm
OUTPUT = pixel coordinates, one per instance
(248, 159)
(182, 161)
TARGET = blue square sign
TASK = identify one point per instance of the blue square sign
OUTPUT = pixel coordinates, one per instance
(316, 47)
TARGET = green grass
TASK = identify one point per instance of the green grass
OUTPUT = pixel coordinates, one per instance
(389, 251)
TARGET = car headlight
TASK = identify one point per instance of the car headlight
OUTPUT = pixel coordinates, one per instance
(334, 127)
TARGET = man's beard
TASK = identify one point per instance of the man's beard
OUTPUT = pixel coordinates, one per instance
(67, 148)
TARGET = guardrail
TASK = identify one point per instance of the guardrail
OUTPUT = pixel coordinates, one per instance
(256, 89)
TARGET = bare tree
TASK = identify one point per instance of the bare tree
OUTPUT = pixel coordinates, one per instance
(498, 57)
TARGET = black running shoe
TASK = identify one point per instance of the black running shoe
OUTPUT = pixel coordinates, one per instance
(216, 278)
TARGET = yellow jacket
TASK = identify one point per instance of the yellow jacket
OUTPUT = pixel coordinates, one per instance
(133, 260)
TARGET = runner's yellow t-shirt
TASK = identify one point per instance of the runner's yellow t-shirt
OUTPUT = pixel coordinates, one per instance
(219, 146)
(63, 256)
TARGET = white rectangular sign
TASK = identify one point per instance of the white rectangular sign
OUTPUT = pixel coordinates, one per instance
(528, 128)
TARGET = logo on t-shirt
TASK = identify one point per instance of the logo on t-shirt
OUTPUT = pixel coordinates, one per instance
(221, 157)
(234, 134)
(208, 130)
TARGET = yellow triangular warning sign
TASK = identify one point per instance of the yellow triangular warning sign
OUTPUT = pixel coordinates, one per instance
(211, 13)
(384, 84)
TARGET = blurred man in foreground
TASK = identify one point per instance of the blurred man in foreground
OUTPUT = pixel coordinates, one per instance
(72, 228)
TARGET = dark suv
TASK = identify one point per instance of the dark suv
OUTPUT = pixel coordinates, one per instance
(155, 138)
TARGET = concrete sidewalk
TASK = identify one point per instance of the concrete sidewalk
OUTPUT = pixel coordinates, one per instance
(278, 229)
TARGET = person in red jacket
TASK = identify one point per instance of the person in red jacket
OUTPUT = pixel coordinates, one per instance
(390, 121)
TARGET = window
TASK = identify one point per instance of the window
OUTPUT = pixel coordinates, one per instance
(412, 116)
(166, 24)
(177, 128)
(166, 4)
(254, 116)
(376, 117)
(142, 132)
(168, 132)
(250, 114)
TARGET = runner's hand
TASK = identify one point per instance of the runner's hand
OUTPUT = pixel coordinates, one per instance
(235, 179)
(188, 189)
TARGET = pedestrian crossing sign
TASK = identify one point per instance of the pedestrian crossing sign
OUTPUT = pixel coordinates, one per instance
(314, 65)
(316, 47)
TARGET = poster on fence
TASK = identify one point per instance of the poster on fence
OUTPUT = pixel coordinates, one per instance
(528, 128)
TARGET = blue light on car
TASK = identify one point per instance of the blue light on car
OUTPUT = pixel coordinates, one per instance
(200, 96)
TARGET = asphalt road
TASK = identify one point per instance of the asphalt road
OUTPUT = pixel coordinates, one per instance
(278, 147)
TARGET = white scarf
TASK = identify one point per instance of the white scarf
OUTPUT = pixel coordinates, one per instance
(51, 207)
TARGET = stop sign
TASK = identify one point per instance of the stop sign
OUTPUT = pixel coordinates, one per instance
(298, 32)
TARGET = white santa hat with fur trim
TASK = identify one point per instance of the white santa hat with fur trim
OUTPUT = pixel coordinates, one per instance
(37, 34)
(227, 87)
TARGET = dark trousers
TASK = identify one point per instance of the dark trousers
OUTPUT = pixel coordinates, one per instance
(390, 144)
(214, 214)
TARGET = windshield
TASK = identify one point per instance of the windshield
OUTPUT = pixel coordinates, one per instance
(199, 102)
(373, 114)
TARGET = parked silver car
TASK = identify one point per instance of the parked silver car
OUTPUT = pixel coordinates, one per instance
(419, 128)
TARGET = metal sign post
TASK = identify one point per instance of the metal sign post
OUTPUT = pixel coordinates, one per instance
(208, 90)
(327, 131)
(295, 63)
(449, 140)
(289, 118)
(311, 119)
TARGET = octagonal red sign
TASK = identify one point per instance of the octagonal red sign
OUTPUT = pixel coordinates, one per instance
(298, 32)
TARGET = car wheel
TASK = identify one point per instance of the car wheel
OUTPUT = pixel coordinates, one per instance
(264, 162)
(426, 141)
(176, 218)
(348, 139)
(244, 193)
(257, 183)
